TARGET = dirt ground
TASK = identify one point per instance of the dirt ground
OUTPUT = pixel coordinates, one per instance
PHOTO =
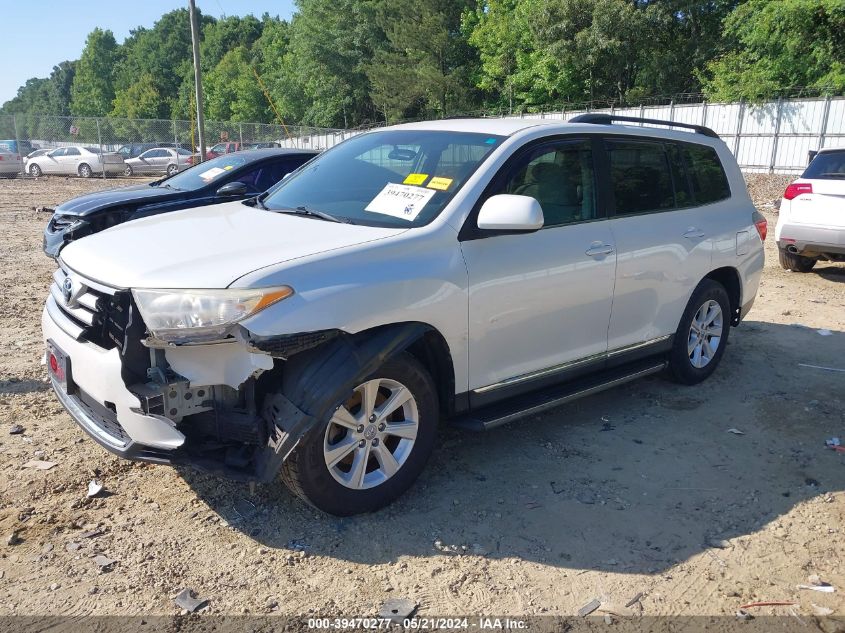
(639, 490)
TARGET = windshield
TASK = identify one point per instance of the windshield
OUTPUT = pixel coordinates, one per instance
(392, 178)
(204, 173)
(826, 165)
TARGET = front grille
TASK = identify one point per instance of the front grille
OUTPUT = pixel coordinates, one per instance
(103, 314)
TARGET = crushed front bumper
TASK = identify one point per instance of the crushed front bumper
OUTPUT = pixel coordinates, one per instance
(99, 402)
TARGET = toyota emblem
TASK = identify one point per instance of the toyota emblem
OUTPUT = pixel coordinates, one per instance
(67, 289)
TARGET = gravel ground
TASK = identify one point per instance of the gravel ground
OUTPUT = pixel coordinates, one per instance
(639, 490)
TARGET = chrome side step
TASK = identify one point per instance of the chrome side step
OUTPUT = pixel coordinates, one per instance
(498, 414)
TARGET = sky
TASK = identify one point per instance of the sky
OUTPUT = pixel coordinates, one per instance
(39, 35)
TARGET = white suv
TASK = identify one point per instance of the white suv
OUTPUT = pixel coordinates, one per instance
(471, 270)
(811, 223)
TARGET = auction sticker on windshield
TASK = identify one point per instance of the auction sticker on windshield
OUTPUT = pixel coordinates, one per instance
(211, 174)
(400, 201)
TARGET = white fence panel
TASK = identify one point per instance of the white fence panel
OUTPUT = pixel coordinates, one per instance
(775, 136)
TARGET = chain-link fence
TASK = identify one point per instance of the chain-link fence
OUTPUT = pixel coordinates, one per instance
(774, 136)
(30, 136)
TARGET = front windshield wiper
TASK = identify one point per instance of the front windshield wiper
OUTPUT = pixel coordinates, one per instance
(303, 210)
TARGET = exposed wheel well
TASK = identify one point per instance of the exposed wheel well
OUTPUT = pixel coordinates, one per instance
(729, 278)
(433, 352)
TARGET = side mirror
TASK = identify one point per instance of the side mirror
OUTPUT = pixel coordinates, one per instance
(235, 188)
(510, 213)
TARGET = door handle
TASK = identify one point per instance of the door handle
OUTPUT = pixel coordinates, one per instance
(693, 232)
(598, 248)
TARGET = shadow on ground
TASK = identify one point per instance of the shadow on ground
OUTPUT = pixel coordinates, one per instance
(828, 271)
(16, 385)
(633, 480)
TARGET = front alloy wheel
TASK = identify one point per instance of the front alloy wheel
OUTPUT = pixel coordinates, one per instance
(374, 445)
(372, 434)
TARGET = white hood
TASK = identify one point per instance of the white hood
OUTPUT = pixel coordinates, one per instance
(206, 247)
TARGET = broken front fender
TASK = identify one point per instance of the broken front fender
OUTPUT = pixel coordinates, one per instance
(317, 381)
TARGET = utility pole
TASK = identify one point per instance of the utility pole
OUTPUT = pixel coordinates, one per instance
(195, 41)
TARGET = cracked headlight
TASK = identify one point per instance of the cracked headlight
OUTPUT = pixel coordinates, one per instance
(173, 315)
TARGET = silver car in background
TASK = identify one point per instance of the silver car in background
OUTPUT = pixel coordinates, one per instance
(159, 160)
(10, 164)
(76, 161)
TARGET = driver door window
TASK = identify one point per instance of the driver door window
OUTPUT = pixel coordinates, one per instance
(560, 177)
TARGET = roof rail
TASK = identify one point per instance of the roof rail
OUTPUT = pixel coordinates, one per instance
(607, 119)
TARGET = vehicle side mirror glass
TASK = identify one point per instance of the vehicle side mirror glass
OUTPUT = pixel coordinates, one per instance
(236, 188)
(507, 212)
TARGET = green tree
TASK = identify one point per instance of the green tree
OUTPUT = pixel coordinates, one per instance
(426, 65)
(141, 100)
(322, 78)
(222, 36)
(92, 91)
(231, 90)
(163, 52)
(778, 45)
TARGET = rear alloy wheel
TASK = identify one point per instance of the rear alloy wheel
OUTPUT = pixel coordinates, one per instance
(373, 447)
(794, 262)
(128, 171)
(85, 170)
(702, 334)
(172, 170)
(35, 171)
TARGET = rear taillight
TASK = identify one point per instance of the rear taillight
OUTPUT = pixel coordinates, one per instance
(796, 189)
(761, 224)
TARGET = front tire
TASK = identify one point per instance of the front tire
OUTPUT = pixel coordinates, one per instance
(374, 446)
(702, 334)
(85, 170)
(35, 171)
(794, 262)
(128, 171)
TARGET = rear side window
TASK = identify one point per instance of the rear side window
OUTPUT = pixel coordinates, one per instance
(640, 177)
(708, 179)
(826, 166)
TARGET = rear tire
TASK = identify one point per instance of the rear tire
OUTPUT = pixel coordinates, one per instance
(794, 262)
(388, 463)
(85, 170)
(702, 334)
(172, 170)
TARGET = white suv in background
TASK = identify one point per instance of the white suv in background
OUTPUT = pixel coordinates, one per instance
(811, 223)
(473, 270)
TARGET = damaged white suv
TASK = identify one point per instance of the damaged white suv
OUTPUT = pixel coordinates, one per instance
(472, 270)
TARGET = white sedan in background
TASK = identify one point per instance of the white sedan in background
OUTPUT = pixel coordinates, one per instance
(811, 222)
(76, 161)
(159, 160)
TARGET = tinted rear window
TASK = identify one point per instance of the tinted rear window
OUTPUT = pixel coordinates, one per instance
(708, 179)
(640, 177)
(826, 166)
